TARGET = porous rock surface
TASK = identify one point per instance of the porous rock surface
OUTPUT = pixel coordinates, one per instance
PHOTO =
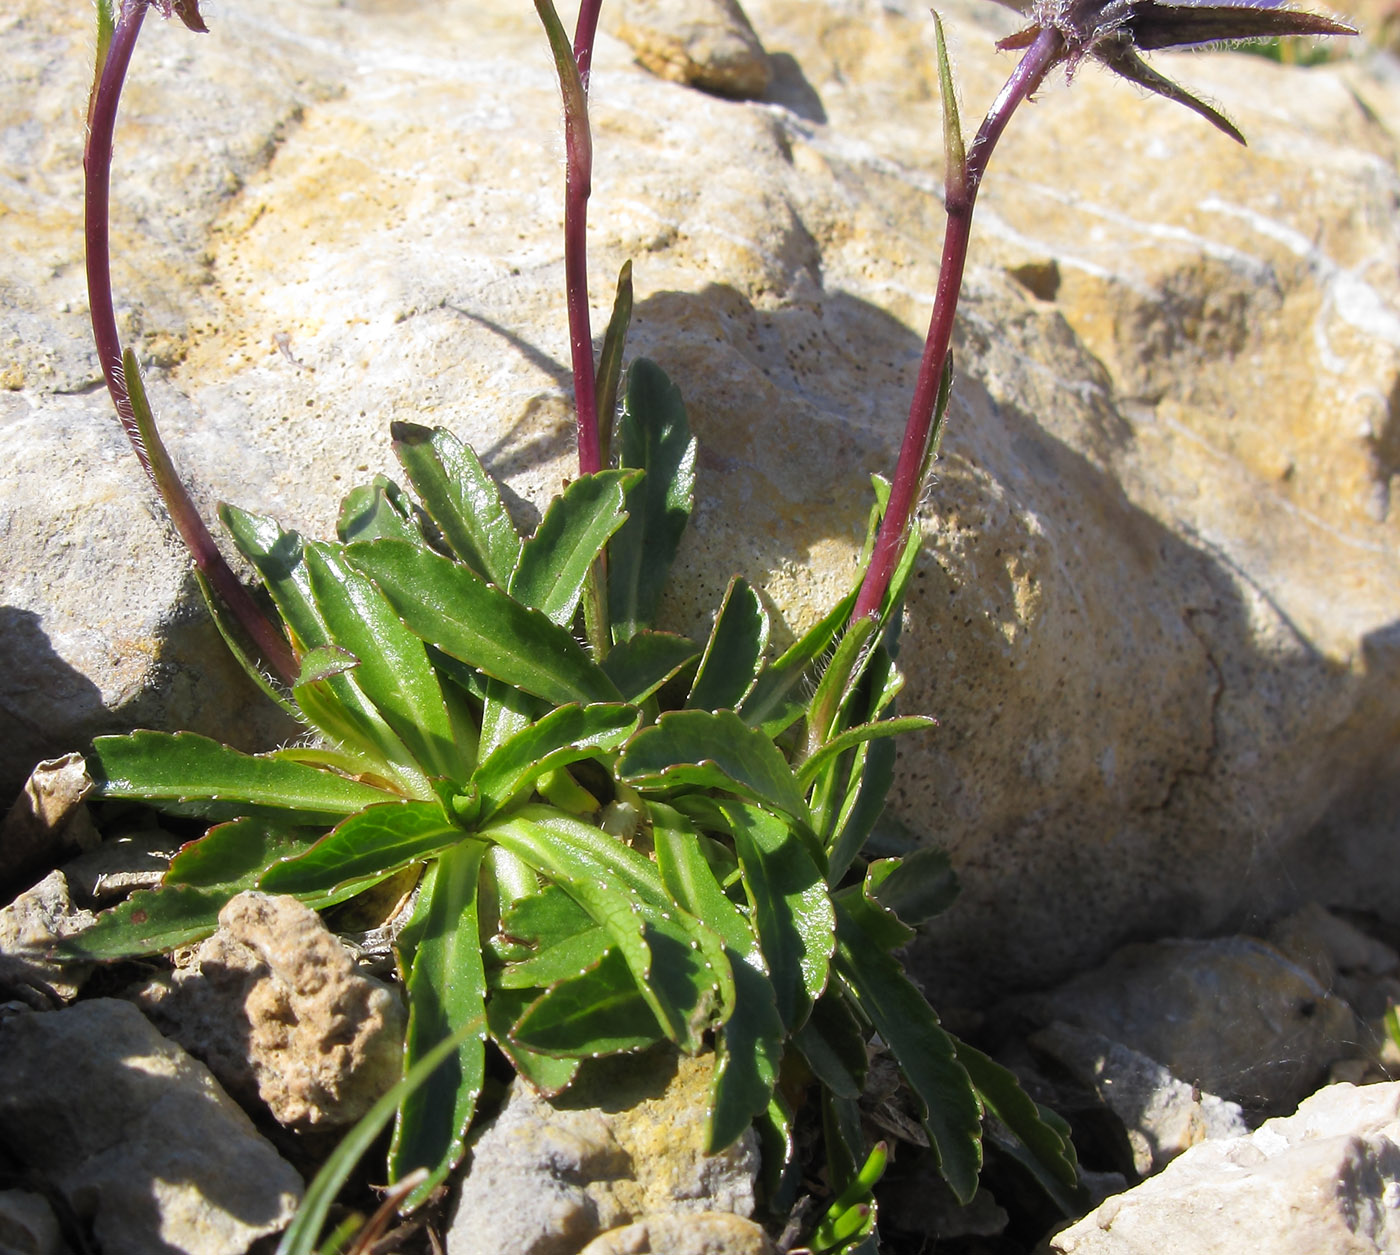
(1157, 609)
(1232, 1015)
(140, 1139)
(28, 928)
(273, 1004)
(623, 1148)
(1324, 1181)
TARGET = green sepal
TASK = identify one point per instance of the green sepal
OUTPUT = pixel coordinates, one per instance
(460, 497)
(654, 436)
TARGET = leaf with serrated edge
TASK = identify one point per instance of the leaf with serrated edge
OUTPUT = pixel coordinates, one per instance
(446, 990)
(460, 497)
(714, 750)
(159, 767)
(790, 906)
(594, 1012)
(235, 855)
(922, 886)
(750, 1048)
(548, 1075)
(448, 606)
(1002, 1093)
(923, 1050)
(643, 663)
(679, 963)
(556, 560)
(734, 651)
(655, 436)
(393, 671)
(565, 735)
(377, 511)
(377, 841)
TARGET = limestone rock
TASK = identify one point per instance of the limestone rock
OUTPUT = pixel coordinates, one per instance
(1232, 1015)
(1162, 1115)
(704, 43)
(702, 1233)
(28, 1225)
(273, 1004)
(46, 822)
(624, 1145)
(1330, 947)
(1155, 614)
(28, 928)
(139, 1137)
(1324, 1181)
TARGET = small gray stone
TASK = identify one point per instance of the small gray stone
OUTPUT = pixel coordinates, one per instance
(274, 1005)
(1324, 1181)
(28, 927)
(1166, 1115)
(28, 1225)
(138, 1136)
(704, 43)
(1329, 946)
(671, 1233)
(1232, 1015)
(122, 865)
(626, 1143)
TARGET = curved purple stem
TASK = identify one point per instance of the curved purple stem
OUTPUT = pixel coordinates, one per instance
(963, 185)
(97, 169)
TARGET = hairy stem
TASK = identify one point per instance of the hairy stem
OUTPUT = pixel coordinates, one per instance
(578, 184)
(97, 168)
(963, 185)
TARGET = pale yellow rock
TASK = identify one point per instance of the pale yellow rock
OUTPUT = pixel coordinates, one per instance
(704, 43)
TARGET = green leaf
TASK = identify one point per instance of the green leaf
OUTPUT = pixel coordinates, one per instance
(791, 909)
(838, 683)
(565, 735)
(872, 774)
(713, 750)
(549, 1075)
(461, 498)
(150, 921)
(750, 1048)
(610, 361)
(240, 644)
(655, 436)
(377, 511)
(234, 856)
(643, 663)
(924, 1051)
(734, 652)
(377, 841)
(776, 700)
(446, 992)
(678, 962)
(556, 960)
(206, 778)
(922, 886)
(364, 744)
(953, 155)
(450, 607)
(1042, 1133)
(556, 560)
(832, 1044)
(394, 672)
(301, 1234)
(598, 1011)
(810, 768)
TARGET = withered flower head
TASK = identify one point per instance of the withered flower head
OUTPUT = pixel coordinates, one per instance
(1114, 31)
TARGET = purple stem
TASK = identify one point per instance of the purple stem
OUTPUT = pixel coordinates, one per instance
(578, 182)
(961, 196)
(97, 167)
